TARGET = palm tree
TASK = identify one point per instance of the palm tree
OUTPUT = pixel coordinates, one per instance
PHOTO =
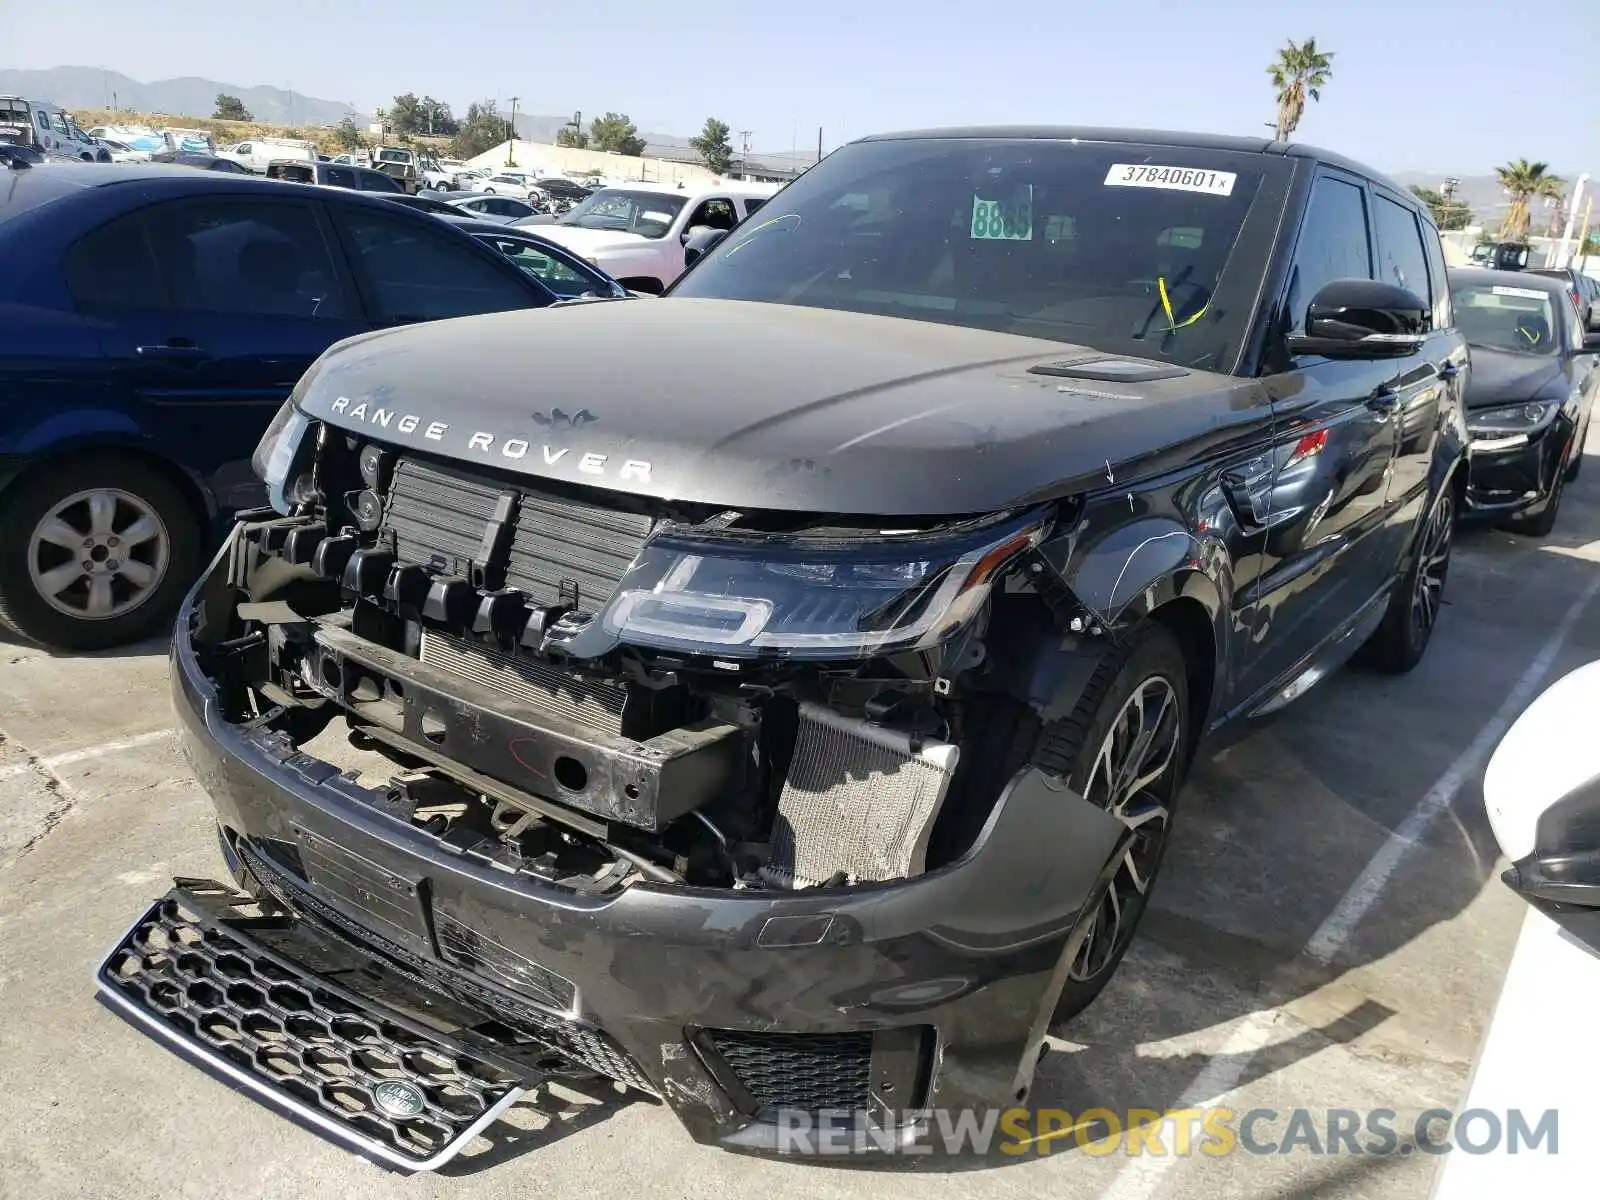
(1524, 180)
(1299, 71)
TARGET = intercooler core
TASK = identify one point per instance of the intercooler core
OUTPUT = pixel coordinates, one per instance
(859, 799)
(594, 703)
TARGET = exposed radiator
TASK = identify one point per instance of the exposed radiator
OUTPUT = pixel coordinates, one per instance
(858, 799)
(591, 702)
(559, 549)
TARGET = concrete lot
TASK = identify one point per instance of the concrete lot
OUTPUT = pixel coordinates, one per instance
(1299, 953)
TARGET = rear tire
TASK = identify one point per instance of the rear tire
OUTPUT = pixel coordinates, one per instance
(128, 521)
(1103, 753)
(1402, 639)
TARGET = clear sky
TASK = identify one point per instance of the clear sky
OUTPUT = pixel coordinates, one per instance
(1435, 85)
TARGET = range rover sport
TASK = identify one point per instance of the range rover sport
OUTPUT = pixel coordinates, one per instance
(776, 698)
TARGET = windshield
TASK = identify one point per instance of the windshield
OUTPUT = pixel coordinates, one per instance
(1120, 247)
(394, 156)
(1496, 317)
(649, 214)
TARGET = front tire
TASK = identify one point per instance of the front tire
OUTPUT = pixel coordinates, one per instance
(1543, 522)
(1124, 749)
(1402, 639)
(95, 552)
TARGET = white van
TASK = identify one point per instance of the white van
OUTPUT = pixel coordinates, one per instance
(47, 128)
(258, 153)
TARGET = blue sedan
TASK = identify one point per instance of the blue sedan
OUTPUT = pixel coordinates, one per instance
(152, 319)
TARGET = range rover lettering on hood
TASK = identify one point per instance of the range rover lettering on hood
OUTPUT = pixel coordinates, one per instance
(589, 462)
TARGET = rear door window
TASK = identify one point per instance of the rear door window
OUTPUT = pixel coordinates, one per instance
(410, 272)
(246, 258)
(1401, 258)
(113, 267)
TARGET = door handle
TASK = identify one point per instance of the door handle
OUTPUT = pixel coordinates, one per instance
(169, 351)
(1449, 370)
(1385, 400)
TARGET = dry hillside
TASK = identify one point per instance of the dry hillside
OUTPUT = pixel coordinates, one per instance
(227, 133)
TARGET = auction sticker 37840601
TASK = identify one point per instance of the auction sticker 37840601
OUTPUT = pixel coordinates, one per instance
(1176, 179)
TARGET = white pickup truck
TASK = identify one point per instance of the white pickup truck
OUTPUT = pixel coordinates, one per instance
(635, 232)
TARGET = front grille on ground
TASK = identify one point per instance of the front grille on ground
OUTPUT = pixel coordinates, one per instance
(809, 1071)
(559, 550)
(591, 702)
(589, 1048)
(382, 1083)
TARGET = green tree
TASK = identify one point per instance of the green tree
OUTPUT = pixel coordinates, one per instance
(615, 134)
(572, 139)
(437, 119)
(406, 116)
(713, 146)
(1524, 180)
(230, 108)
(1447, 213)
(1298, 72)
(481, 129)
(347, 136)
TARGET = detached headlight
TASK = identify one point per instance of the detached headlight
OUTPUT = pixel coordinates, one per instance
(275, 453)
(810, 598)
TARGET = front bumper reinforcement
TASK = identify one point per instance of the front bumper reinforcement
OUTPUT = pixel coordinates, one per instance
(192, 972)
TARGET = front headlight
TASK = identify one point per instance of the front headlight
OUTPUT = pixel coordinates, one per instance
(276, 452)
(810, 598)
(1512, 418)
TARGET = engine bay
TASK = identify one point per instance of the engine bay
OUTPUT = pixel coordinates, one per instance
(457, 626)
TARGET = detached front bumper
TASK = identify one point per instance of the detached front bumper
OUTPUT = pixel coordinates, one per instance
(1507, 478)
(734, 1007)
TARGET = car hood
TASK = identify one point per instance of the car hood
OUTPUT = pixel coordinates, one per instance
(594, 241)
(765, 406)
(1501, 377)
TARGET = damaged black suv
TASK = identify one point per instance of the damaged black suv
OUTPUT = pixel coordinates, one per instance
(775, 697)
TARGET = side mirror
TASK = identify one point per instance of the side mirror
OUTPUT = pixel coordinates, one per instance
(1362, 319)
(699, 242)
(1542, 794)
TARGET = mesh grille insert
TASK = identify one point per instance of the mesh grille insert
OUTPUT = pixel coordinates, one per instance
(796, 1070)
(318, 1046)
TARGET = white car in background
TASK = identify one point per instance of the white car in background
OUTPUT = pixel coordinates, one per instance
(510, 182)
(635, 232)
(1540, 1054)
(122, 152)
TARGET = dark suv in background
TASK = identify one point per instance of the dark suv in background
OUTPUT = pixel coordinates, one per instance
(152, 319)
(1583, 290)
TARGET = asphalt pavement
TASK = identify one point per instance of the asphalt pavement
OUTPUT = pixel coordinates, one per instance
(1329, 931)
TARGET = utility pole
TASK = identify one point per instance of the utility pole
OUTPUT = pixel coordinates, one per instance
(819, 143)
(1562, 257)
(744, 152)
(511, 141)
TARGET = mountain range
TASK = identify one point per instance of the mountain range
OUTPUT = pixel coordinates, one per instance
(90, 87)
